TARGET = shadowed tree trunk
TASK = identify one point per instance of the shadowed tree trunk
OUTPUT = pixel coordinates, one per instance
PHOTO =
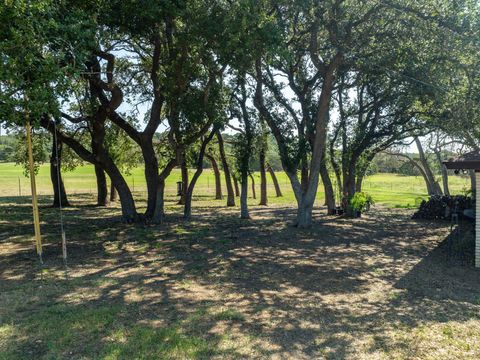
(159, 212)
(329, 193)
(244, 213)
(113, 192)
(102, 190)
(235, 183)
(254, 194)
(216, 172)
(359, 182)
(184, 170)
(59, 193)
(263, 180)
(226, 170)
(278, 192)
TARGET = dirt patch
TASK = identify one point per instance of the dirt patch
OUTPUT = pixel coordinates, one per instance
(382, 286)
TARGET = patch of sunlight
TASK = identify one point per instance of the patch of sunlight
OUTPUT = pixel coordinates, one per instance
(149, 343)
(6, 334)
(229, 315)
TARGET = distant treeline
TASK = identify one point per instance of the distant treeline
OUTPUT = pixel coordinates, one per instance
(382, 163)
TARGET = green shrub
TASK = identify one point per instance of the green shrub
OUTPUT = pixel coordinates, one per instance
(361, 201)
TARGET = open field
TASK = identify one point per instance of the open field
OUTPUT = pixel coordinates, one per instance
(388, 189)
(379, 287)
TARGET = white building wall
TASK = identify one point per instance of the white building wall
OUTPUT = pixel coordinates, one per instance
(477, 221)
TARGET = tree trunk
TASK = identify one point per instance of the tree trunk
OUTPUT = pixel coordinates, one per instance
(444, 171)
(244, 213)
(329, 193)
(235, 183)
(278, 192)
(129, 211)
(349, 165)
(151, 176)
(434, 187)
(254, 194)
(359, 182)
(216, 172)
(184, 170)
(226, 171)
(187, 212)
(159, 212)
(263, 180)
(102, 190)
(59, 194)
(113, 192)
(304, 214)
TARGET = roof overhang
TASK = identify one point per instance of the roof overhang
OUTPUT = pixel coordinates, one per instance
(469, 161)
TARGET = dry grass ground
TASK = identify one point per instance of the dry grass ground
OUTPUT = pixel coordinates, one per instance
(379, 287)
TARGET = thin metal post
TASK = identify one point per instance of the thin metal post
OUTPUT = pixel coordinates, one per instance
(36, 217)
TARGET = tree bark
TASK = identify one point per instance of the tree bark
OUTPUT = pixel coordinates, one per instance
(187, 212)
(184, 171)
(278, 192)
(348, 187)
(444, 172)
(235, 183)
(434, 187)
(59, 194)
(151, 174)
(159, 212)
(254, 194)
(244, 213)
(359, 182)
(113, 192)
(102, 190)
(226, 170)
(216, 172)
(263, 179)
(329, 193)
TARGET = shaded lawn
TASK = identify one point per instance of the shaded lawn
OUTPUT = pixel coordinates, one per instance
(379, 287)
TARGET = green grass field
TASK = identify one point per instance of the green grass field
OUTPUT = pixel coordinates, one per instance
(389, 189)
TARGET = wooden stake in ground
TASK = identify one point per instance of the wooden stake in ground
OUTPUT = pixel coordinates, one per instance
(36, 217)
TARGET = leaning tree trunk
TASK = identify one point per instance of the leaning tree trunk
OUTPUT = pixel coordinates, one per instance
(329, 193)
(444, 172)
(244, 213)
(113, 192)
(59, 193)
(235, 183)
(187, 212)
(254, 194)
(102, 189)
(263, 180)
(278, 192)
(184, 171)
(129, 211)
(216, 172)
(434, 187)
(226, 170)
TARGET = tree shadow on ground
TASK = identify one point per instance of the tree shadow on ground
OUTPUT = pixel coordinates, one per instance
(230, 288)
